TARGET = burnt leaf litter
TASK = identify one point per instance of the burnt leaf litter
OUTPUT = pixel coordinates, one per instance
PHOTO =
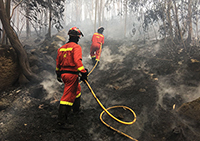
(131, 75)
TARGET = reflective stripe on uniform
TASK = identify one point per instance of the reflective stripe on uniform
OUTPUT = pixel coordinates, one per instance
(57, 69)
(78, 95)
(98, 34)
(66, 49)
(66, 103)
(80, 68)
(93, 56)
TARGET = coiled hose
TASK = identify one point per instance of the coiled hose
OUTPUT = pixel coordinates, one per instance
(106, 110)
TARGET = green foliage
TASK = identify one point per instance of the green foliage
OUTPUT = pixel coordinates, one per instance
(39, 8)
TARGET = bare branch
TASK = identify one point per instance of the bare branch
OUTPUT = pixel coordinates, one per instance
(15, 7)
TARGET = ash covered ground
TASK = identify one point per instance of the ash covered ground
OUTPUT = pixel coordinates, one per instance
(152, 79)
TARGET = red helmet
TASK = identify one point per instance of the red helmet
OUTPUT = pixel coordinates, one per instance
(74, 31)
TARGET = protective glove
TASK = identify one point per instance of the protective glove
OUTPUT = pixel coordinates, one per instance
(59, 79)
(59, 76)
(84, 76)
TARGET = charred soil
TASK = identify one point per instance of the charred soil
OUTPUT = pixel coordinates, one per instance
(152, 79)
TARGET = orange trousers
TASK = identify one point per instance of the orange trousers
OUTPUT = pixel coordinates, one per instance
(72, 89)
(95, 51)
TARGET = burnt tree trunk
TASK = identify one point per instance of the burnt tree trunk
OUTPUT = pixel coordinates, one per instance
(16, 44)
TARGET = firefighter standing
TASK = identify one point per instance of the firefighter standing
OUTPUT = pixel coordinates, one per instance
(97, 45)
(68, 66)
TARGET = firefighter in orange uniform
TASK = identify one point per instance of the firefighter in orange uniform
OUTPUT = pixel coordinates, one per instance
(97, 45)
(68, 67)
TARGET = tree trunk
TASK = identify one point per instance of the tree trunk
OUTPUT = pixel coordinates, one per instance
(196, 15)
(23, 59)
(177, 29)
(49, 30)
(155, 32)
(169, 19)
(189, 39)
(96, 8)
(100, 13)
(179, 34)
(46, 21)
(27, 20)
(197, 29)
(8, 8)
(125, 20)
(78, 9)
(5, 39)
(92, 11)
(89, 12)
(164, 23)
(18, 20)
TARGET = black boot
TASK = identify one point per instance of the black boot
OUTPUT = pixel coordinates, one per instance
(76, 105)
(77, 112)
(63, 113)
(93, 61)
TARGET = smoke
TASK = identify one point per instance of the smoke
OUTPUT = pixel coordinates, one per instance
(188, 93)
(111, 60)
(136, 129)
(108, 57)
(192, 94)
(88, 99)
(51, 85)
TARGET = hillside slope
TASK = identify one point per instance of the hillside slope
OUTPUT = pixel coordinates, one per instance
(152, 79)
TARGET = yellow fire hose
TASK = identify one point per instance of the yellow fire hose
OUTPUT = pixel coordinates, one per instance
(106, 110)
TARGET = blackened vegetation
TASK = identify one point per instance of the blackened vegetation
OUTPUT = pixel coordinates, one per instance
(10, 70)
(32, 113)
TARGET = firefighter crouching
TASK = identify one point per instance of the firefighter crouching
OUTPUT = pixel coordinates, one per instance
(68, 67)
(97, 45)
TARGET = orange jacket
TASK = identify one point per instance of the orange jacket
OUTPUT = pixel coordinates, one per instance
(69, 58)
(97, 39)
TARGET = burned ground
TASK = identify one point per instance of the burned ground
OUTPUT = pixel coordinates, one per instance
(152, 79)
